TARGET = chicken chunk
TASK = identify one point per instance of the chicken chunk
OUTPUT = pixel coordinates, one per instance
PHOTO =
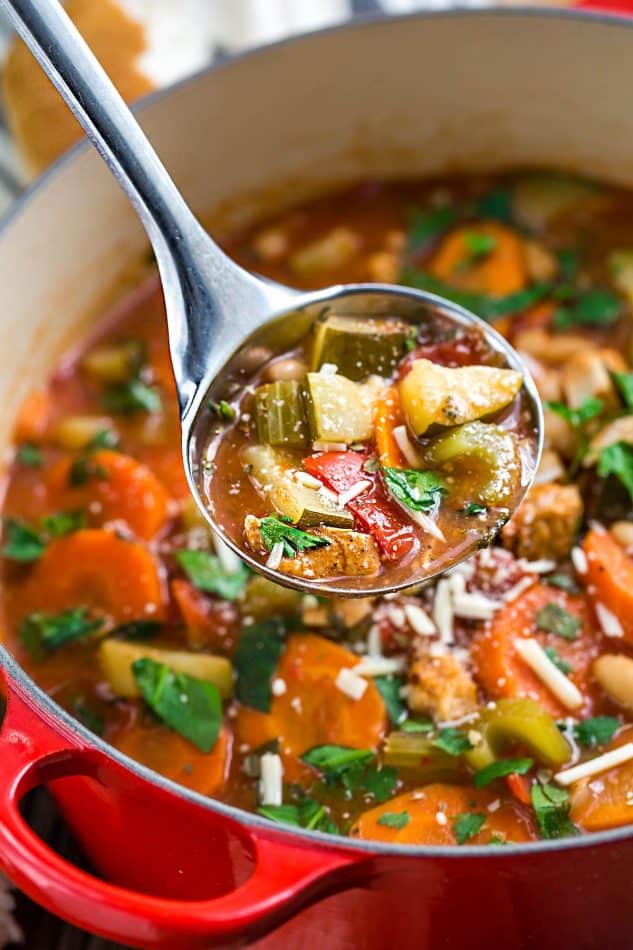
(440, 686)
(348, 553)
(545, 525)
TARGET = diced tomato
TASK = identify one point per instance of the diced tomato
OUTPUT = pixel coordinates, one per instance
(462, 351)
(374, 512)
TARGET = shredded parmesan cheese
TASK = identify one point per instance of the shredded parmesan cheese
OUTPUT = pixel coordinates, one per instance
(350, 683)
(329, 369)
(329, 446)
(475, 606)
(278, 686)
(600, 764)
(228, 559)
(378, 666)
(443, 610)
(533, 654)
(518, 588)
(579, 560)
(274, 558)
(609, 623)
(270, 786)
(374, 641)
(419, 620)
(406, 446)
(353, 492)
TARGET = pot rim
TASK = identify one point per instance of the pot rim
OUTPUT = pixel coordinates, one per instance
(53, 711)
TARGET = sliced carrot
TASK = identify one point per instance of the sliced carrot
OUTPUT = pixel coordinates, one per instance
(173, 756)
(96, 569)
(501, 671)
(33, 416)
(610, 577)
(520, 787)
(500, 272)
(210, 623)
(388, 415)
(116, 488)
(428, 816)
(313, 710)
(604, 801)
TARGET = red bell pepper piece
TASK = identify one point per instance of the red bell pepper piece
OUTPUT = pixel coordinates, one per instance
(374, 512)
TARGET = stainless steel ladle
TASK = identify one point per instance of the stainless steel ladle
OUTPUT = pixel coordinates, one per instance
(219, 316)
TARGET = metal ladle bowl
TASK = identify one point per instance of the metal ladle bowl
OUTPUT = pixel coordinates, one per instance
(219, 316)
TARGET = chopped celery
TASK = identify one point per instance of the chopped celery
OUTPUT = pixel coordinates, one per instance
(272, 472)
(621, 267)
(279, 414)
(448, 396)
(483, 459)
(338, 409)
(539, 198)
(518, 723)
(359, 346)
(414, 750)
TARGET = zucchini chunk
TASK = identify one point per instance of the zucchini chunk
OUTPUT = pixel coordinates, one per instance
(279, 414)
(446, 396)
(273, 476)
(116, 658)
(621, 267)
(360, 347)
(338, 409)
(480, 460)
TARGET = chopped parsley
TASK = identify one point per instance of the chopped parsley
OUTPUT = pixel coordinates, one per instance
(389, 688)
(624, 383)
(478, 245)
(355, 769)
(334, 760)
(473, 508)
(190, 706)
(495, 204)
(487, 307)
(417, 725)
(22, 543)
(44, 633)
(105, 439)
(554, 619)
(551, 808)
(274, 530)
(578, 419)
(563, 582)
(593, 308)
(255, 662)
(29, 455)
(596, 731)
(467, 825)
(130, 397)
(222, 410)
(308, 814)
(205, 571)
(394, 819)
(419, 491)
(63, 523)
(88, 717)
(426, 226)
(617, 459)
(137, 630)
(500, 769)
(568, 262)
(83, 469)
(557, 660)
(452, 741)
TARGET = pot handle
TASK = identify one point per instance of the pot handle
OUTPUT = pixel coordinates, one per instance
(285, 876)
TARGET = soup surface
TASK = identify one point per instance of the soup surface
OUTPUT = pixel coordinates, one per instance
(493, 706)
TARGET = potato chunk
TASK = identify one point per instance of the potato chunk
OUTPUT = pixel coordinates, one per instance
(442, 395)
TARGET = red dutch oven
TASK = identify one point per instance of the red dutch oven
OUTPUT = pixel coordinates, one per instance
(388, 97)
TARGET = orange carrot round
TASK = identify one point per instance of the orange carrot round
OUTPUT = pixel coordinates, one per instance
(610, 577)
(500, 272)
(429, 815)
(502, 672)
(313, 710)
(604, 801)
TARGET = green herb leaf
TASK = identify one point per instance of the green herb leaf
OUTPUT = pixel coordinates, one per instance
(137, 630)
(389, 688)
(568, 262)
(333, 760)
(596, 731)
(487, 307)
(222, 410)
(44, 633)
(594, 308)
(88, 717)
(624, 383)
(557, 660)
(274, 531)
(379, 782)
(255, 662)
(205, 571)
(452, 741)
(21, 543)
(188, 705)
(283, 814)
(63, 523)
(551, 808)
(417, 725)
(83, 469)
(554, 619)
(29, 455)
(467, 825)
(578, 418)
(479, 245)
(497, 839)
(500, 769)
(308, 814)
(496, 204)
(617, 459)
(419, 491)
(425, 226)
(106, 439)
(394, 819)
(563, 582)
(472, 508)
(132, 396)
(352, 768)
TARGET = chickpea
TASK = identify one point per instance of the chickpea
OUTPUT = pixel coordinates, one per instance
(289, 368)
(614, 673)
(622, 532)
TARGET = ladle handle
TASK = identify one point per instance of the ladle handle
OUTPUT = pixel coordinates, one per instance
(203, 288)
